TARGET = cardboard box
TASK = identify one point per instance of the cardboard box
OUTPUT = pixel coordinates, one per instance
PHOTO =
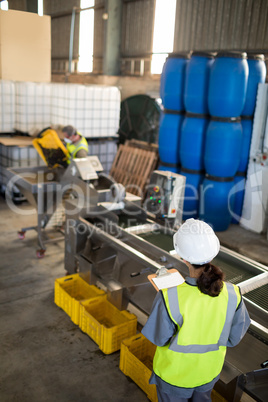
(25, 46)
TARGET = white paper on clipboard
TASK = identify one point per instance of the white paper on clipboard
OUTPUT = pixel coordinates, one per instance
(169, 280)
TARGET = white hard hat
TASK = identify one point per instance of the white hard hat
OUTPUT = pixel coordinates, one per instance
(196, 242)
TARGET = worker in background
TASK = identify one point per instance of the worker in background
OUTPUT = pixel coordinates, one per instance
(76, 144)
(193, 323)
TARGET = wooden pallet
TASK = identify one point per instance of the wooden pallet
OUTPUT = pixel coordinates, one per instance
(133, 165)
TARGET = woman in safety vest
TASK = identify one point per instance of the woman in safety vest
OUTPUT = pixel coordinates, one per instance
(76, 144)
(193, 323)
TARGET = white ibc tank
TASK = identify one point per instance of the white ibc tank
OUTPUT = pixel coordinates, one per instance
(94, 110)
(33, 106)
(7, 106)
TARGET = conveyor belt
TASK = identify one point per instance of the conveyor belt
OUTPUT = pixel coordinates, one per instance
(259, 296)
(163, 241)
(233, 273)
(236, 270)
(125, 221)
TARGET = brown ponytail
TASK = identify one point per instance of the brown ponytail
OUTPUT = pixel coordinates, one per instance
(210, 281)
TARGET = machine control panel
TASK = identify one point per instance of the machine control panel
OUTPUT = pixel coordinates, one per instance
(165, 194)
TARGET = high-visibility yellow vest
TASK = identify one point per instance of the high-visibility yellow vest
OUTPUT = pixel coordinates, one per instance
(74, 148)
(195, 355)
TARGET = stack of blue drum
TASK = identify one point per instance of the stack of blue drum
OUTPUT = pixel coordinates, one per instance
(226, 99)
(205, 129)
(171, 93)
(227, 144)
(193, 131)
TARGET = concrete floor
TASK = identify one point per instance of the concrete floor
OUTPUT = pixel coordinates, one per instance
(43, 355)
(245, 242)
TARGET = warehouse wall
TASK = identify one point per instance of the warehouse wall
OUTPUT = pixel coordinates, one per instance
(99, 36)
(137, 30)
(60, 12)
(128, 85)
(137, 34)
(199, 25)
(221, 24)
(61, 26)
(20, 5)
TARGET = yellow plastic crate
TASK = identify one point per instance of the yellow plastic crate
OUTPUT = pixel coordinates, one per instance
(70, 291)
(105, 324)
(136, 361)
(216, 397)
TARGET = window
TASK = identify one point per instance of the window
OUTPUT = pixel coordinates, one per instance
(4, 5)
(86, 34)
(40, 8)
(163, 38)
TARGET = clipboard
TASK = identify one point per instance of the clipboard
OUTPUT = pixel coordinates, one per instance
(169, 280)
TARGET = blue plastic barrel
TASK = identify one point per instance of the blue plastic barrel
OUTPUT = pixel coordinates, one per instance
(247, 125)
(192, 145)
(228, 84)
(223, 147)
(172, 81)
(196, 82)
(238, 194)
(215, 203)
(169, 137)
(168, 167)
(257, 75)
(191, 195)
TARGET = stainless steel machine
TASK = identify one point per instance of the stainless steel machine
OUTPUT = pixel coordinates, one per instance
(117, 250)
(41, 187)
(46, 188)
